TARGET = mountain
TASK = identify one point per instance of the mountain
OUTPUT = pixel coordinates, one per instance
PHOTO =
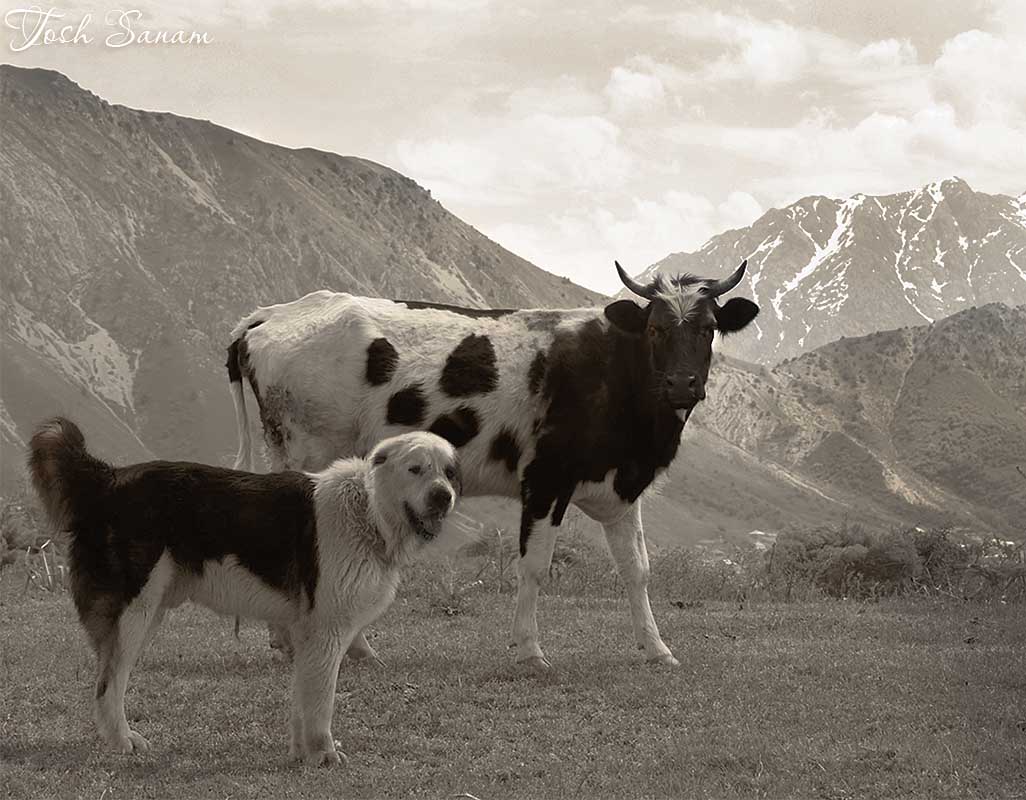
(824, 268)
(132, 241)
(923, 425)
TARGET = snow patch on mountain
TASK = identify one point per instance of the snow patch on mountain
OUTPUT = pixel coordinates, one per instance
(1020, 269)
(907, 287)
(841, 235)
(97, 362)
(1020, 209)
(9, 427)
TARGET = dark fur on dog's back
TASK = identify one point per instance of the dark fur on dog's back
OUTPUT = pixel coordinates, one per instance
(121, 520)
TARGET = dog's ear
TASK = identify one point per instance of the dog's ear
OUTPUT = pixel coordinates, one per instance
(457, 480)
(380, 454)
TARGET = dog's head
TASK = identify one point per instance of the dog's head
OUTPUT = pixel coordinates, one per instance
(416, 477)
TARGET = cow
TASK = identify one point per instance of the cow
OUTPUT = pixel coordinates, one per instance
(583, 406)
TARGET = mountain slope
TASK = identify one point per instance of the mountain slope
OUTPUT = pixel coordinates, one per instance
(823, 268)
(132, 241)
(922, 425)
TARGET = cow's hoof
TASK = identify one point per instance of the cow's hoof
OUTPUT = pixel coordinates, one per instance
(535, 663)
(665, 660)
(132, 743)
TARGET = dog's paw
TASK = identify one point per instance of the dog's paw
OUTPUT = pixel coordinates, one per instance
(367, 656)
(535, 663)
(665, 660)
(326, 758)
(132, 743)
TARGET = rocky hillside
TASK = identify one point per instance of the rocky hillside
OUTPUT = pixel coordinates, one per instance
(921, 425)
(825, 268)
(131, 242)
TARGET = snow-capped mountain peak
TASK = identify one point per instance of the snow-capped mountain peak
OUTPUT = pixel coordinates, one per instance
(824, 268)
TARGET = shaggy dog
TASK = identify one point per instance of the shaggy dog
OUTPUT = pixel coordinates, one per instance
(316, 553)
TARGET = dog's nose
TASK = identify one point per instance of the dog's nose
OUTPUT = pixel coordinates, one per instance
(439, 499)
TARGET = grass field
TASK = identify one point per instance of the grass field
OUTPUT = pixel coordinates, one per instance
(828, 699)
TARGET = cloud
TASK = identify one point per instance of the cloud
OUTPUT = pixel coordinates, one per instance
(519, 157)
(631, 91)
(583, 243)
(887, 53)
(982, 73)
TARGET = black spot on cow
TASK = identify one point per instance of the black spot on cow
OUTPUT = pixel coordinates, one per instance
(473, 313)
(458, 426)
(603, 414)
(271, 402)
(536, 372)
(382, 359)
(505, 448)
(407, 407)
(234, 371)
(470, 368)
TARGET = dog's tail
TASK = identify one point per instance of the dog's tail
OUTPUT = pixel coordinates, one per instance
(244, 458)
(68, 480)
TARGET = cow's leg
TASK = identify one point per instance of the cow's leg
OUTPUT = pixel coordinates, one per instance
(532, 571)
(626, 540)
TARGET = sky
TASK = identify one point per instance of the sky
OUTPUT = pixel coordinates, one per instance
(574, 133)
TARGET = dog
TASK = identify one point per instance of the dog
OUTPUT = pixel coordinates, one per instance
(318, 553)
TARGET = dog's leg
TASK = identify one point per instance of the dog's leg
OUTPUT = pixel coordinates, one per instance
(297, 731)
(117, 655)
(279, 638)
(151, 631)
(318, 657)
(361, 650)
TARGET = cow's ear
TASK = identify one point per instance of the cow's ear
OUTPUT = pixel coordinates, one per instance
(627, 315)
(735, 314)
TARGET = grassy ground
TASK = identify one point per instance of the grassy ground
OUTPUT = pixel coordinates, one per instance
(828, 699)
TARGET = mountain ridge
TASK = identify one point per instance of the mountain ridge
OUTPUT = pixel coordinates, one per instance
(850, 266)
(132, 241)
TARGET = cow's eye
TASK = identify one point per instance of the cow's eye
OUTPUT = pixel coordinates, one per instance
(415, 469)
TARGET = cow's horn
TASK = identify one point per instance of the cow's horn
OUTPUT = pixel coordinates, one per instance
(633, 285)
(724, 286)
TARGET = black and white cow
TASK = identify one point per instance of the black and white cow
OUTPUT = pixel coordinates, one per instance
(582, 406)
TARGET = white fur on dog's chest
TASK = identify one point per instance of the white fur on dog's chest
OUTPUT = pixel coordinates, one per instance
(366, 593)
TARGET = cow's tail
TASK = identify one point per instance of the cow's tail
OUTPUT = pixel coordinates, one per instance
(244, 458)
(68, 479)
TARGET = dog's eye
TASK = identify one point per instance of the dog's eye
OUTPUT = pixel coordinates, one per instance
(450, 472)
(415, 469)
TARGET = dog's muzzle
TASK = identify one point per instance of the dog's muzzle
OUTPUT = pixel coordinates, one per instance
(425, 526)
(439, 500)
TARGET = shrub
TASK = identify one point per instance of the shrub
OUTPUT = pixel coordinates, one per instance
(843, 561)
